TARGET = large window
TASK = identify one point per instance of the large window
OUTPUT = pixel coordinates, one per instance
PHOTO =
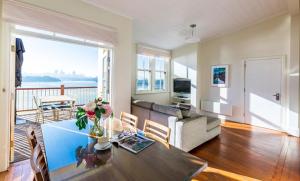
(152, 73)
(160, 74)
(143, 73)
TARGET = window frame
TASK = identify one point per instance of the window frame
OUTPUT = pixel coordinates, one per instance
(144, 70)
(153, 71)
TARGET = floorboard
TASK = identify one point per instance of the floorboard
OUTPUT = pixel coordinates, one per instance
(244, 152)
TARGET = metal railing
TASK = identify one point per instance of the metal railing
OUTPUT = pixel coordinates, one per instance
(82, 95)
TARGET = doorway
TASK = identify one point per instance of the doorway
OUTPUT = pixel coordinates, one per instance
(264, 92)
(55, 65)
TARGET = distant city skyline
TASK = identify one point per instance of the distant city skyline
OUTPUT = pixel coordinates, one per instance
(58, 73)
(44, 57)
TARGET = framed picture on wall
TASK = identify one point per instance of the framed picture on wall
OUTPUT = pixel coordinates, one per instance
(219, 75)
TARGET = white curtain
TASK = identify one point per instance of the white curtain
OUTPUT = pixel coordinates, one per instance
(146, 50)
(36, 17)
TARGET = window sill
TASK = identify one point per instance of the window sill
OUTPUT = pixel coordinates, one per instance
(151, 92)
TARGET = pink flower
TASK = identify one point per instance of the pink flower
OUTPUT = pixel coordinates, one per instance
(108, 110)
(90, 107)
(90, 114)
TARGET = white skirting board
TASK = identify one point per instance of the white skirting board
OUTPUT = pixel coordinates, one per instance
(216, 107)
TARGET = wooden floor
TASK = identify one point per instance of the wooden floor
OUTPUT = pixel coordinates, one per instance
(241, 152)
(244, 152)
(20, 171)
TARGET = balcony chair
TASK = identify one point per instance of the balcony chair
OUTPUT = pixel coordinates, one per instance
(41, 110)
(65, 107)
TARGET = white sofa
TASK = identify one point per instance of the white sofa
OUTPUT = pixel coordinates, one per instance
(186, 132)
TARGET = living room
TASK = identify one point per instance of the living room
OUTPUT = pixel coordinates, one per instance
(220, 77)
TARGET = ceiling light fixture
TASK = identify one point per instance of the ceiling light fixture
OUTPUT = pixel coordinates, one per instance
(192, 36)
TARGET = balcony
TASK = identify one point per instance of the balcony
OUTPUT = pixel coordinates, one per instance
(26, 111)
(25, 102)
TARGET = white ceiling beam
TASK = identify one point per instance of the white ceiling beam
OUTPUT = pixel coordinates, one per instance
(293, 6)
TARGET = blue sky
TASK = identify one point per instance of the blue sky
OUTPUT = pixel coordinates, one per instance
(46, 56)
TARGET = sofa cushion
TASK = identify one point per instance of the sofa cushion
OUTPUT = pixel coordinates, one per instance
(212, 123)
(159, 117)
(141, 113)
(186, 113)
(167, 110)
(143, 104)
(186, 110)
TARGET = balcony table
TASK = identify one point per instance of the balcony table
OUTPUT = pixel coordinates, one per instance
(64, 143)
(56, 99)
(53, 99)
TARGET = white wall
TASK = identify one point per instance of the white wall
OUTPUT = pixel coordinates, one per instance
(293, 77)
(270, 38)
(159, 98)
(184, 65)
(121, 66)
(121, 91)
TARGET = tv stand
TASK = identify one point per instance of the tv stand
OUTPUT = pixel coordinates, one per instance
(183, 97)
(181, 100)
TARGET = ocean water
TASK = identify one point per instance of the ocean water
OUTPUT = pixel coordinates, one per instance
(25, 98)
(57, 84)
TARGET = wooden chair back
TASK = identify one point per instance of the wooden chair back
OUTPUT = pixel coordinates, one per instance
(36, 102)
(39, 164)
(129, 119)
(157, 132)
(31, 137)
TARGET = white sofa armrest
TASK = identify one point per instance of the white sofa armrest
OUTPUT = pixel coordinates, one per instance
(190, 133)
(172, 125)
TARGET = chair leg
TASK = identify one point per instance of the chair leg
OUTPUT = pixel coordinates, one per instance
(70, 114)
(43, 118)
(57, 114)
(37, 117)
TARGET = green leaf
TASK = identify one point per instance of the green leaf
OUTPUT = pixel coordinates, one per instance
(102, 110)
(81, 121)
(98, 113)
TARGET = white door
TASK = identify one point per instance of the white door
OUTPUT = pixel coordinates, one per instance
(263, 94)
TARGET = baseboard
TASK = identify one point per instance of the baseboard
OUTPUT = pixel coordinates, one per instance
(222, 117)
(294, 132)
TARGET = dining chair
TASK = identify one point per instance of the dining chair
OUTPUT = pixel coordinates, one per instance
(157, 132)
(39, 164)
(31, 137)
(129, 119)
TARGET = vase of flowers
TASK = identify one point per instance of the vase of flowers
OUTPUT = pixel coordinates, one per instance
(97, 111)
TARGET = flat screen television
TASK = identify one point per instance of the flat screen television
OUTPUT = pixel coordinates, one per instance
(182, 86)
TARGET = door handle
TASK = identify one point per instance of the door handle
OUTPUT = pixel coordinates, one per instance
(277, 96)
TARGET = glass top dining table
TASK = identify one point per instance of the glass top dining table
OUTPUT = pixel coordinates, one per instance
(71, 155)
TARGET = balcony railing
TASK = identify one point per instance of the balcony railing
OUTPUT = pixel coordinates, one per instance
(25, 102)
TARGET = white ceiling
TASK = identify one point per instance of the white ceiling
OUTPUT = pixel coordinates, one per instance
(161, 23)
